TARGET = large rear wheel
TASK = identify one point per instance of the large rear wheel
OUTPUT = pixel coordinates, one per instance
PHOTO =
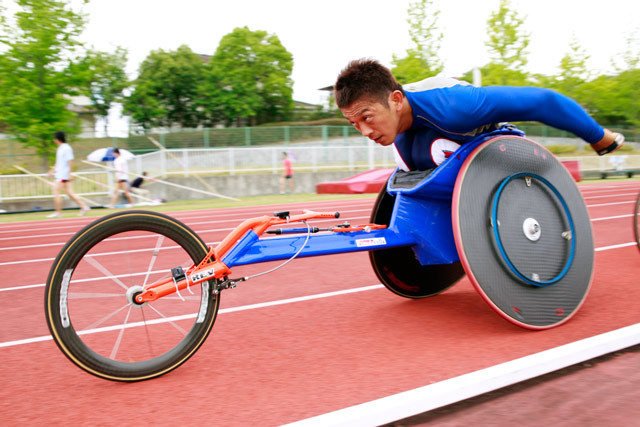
(523, 232)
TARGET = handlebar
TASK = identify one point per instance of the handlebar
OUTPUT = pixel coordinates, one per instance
(320, 214)
(260, 224)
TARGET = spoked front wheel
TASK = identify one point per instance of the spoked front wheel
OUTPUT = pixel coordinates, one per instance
(89, 297)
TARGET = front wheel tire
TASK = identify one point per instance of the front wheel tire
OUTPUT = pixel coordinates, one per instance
(89, 294)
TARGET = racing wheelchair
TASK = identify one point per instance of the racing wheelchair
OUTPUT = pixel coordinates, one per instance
(502, 210)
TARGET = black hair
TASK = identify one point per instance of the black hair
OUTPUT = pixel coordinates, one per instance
(364, 78)
(60, 136)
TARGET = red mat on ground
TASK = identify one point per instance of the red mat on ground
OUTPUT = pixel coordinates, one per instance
(373, 180)
(573, 166)
(365, 182)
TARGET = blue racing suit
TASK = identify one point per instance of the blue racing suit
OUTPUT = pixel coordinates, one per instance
(454, 110)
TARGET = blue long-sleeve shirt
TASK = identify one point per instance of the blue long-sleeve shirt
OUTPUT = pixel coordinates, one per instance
(460, 112)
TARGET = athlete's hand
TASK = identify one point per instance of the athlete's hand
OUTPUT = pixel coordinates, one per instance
(610, 142)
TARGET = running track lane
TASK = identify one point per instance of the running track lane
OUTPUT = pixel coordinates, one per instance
(287, 362)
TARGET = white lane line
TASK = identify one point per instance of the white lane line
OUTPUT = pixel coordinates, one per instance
(19, 288)
(621, 245)
(191, 224)
(40, 285)
(190, 316)
(606, 218)
(446, 392)
(609, 191)
(611, 195)
(611, 204)
(199, 232)
(191, 215)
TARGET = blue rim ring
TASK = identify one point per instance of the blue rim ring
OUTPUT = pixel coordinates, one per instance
(496, 232)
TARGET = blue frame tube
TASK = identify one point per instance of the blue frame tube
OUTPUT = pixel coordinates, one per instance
(421, 219)
(428, 222)
(251, 249)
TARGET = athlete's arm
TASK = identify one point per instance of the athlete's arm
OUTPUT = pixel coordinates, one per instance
(461, 109)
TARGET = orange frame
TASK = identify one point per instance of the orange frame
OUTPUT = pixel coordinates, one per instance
(212, 268)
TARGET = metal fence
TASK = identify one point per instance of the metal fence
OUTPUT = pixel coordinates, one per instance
(354, 154)
(12, 152)
(358, 155)
(26, 187)
(608, 163)
(310, 158)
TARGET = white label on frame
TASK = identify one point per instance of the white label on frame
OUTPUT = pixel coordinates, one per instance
(375, 241)
(205, 274)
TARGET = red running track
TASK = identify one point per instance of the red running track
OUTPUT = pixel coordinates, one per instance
(280, 363)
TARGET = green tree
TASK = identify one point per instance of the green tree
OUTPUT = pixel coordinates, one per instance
(573, 71)
(165, 93)
(631, 55)
(422, 60)
(36, 73)
(627, 93)
(106, 79)
(508, 42)
(613, 100)
(610, 99)
(507, 45)
(248, 80)
(497, 74)
(597, 97)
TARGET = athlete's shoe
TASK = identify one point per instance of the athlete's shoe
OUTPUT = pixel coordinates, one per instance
(54, 215)
(610, 142)
(84, 210)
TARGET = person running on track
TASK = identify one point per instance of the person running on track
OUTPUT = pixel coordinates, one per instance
(287, 174)
(62, 170)
(122, 176)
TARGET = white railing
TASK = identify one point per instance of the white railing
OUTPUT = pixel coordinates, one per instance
(207, 161)
(232, 161)
(194, 161)
(610, 162)
(38, 186)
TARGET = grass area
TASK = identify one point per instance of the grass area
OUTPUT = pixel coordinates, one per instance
(194, 205)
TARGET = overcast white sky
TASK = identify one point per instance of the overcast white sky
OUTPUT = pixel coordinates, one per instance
(324, 35)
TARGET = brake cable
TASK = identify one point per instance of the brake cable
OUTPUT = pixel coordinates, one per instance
(231, 283)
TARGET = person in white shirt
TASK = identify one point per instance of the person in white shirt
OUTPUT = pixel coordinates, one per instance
(122, 176)
(62, 169)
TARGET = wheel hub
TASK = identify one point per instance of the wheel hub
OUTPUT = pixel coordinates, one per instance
(131, 294)
(531, 229)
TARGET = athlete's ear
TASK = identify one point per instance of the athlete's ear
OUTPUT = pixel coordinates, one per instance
(395, 99)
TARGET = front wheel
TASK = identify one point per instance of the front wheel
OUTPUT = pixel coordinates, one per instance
(89, 297)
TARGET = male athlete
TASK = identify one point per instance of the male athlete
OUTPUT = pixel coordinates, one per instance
(427, 120)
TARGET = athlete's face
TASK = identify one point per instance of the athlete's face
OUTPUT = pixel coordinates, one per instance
(375, 120)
